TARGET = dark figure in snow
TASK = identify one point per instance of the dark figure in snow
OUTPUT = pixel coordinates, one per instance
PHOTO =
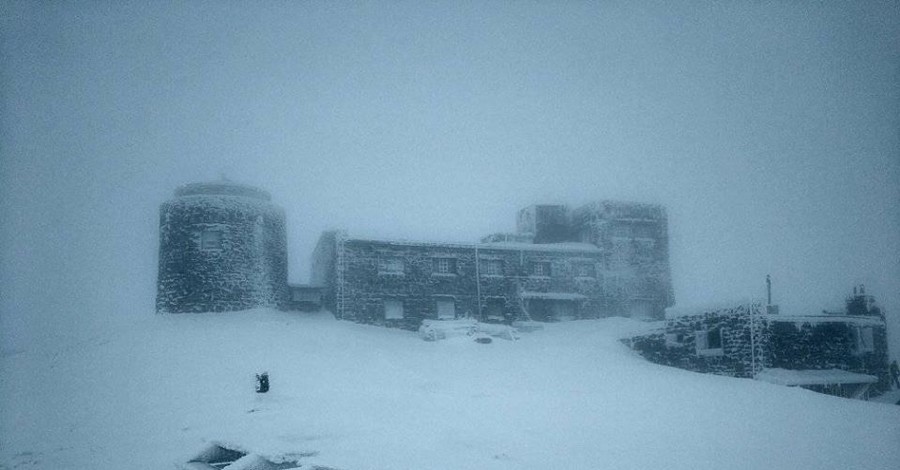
(262, 382)
(895, 374)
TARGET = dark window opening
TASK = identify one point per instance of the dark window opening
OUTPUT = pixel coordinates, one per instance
(492, 267)
(445, 265)
(540, 268)
(211, 240)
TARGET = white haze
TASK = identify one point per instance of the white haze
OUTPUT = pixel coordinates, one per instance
(768, 129)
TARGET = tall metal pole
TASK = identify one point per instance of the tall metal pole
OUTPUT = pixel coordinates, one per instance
(478, 284)
(752, 342)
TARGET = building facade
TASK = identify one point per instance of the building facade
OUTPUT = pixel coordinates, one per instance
(842, 353)
(601, 260)
(222, 246)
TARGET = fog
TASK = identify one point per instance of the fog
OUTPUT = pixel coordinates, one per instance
(768, 129)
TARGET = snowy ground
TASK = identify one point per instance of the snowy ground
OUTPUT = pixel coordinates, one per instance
(147, 395)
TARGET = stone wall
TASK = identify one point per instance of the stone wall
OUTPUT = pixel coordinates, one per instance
(781, 342)
(323, 270)
(827, 345)
(636, 237)
(368, 281)
(243, 266)
(677, 346)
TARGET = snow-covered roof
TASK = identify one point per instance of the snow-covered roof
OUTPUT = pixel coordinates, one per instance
(553, 295)
(517, 246)
(222, 188)
(813, 377)
(563, 246)
(692, 310)
(826, 318)
(687, 310)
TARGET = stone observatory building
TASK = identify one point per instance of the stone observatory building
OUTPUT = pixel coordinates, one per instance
(607, 258)
(222, 247)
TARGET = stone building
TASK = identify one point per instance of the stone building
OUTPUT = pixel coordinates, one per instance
(603, 259)
(841, 354)
(222, 246)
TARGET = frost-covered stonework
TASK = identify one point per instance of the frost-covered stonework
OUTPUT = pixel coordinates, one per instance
(677, 343)
(604, 259)
(426, 277)
(222, 247)
(743, 341)
(829, 345)
(636, 238)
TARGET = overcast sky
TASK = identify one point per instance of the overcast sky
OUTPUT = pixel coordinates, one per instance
(770, 130)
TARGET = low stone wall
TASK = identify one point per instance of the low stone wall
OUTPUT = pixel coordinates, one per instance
(677, 345)
(749, 341)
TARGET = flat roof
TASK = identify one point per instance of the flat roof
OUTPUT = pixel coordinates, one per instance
(826, 318)
(553, 295)
(813, 377)
(575, 247)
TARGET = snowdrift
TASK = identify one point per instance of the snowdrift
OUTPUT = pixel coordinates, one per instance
(154, 393)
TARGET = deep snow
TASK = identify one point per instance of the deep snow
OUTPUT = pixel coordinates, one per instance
(150, 394)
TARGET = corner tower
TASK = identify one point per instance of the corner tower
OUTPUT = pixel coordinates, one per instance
(635, 237)
(222, 246)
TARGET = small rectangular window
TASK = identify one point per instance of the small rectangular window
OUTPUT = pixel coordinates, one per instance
(585, 270)
(865, 339)
(306, 296)
(492, 267)
(393, 309)
(674, 339)
(446, 309)
(540, 268)
(390, 265)
(709, 342)
(445, 265)
(211, 240)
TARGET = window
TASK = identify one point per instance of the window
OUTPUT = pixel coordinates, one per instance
(393, 310)
(446, 309)
(211, 240)
(299, 295)
(585, 270)
(709, 342)
(495, 309)
(492, 267)
(621, 254)
(444, 265)
(540, 268)
(564, 310)
(864, 339)
(674, 340)
(390, 265)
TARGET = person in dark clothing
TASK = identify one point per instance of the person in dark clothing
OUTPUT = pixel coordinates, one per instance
(895, 374)
(262, 382)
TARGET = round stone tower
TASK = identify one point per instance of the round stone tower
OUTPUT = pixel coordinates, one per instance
(222, 246)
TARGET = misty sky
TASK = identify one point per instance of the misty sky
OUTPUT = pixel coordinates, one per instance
(770, 130)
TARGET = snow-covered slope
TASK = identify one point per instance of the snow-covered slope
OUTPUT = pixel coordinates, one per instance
(148, 395)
